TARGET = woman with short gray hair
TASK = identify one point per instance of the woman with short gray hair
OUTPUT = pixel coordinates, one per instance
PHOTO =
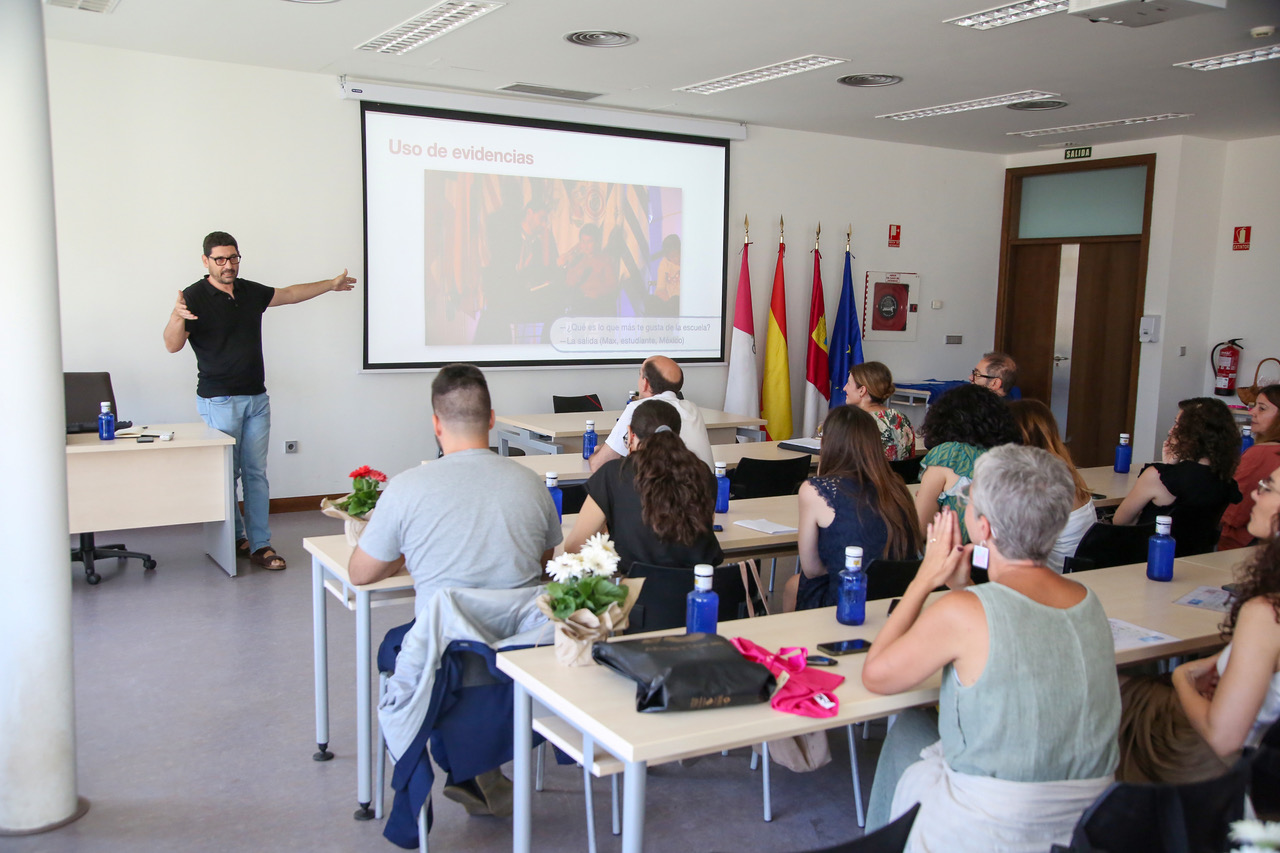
(1025, 737)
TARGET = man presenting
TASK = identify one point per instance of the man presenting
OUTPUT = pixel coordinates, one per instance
(221, 314)
(660, 378)
(996, 372)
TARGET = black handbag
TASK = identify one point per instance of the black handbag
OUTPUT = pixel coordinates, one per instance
(686, 672)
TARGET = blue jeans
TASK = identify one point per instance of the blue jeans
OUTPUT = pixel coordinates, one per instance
(248, 421)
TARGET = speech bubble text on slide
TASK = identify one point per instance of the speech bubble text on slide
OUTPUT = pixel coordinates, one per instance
(634, 334)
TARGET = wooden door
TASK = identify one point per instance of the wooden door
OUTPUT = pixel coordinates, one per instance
(1031, 311)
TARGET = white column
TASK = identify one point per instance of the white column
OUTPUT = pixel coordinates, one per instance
(37, 707)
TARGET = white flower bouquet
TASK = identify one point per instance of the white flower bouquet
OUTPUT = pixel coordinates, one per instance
(584, 601)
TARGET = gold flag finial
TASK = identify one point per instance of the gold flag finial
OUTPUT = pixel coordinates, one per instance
(746, 229)
(781, 230)
(816, 236)
(848, 237)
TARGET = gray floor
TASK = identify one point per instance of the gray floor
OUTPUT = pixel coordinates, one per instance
(196, 724)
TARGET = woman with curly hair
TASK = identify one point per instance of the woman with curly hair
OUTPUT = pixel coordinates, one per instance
(658, 501)
(1190, 726)
(856, 499)
(1039, 428)
(1256, 464)
(869, 385)
(1193, 485)
(963, 424)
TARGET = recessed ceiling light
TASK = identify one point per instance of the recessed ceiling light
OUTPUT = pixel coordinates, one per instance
(868, 81)
(431, 24)
(600, 38)
(761, 75)
(976, 104)
(1227, 60)
(1037, 106)
(1099, 124)
(1011, 13)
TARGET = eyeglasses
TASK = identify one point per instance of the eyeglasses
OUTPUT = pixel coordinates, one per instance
(974, 375)
(222, 262)
(1265, 488)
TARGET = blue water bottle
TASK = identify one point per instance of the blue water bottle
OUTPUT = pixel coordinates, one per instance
(1160, 548)
(1246, 439)
(106, 423)
(851, 609)
(557, 496)
(1124, 454)
(702, 607)
(722, 488)
(589, 440)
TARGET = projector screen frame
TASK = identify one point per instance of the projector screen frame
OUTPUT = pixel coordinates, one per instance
(383, 107)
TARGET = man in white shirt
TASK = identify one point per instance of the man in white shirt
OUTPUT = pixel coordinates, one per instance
(660, 379)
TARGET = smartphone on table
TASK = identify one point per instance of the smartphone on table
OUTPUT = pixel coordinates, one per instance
(844, 647)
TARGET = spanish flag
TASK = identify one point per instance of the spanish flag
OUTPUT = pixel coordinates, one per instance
(775, 394)
(817, 377)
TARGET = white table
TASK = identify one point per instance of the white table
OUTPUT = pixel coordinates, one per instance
(122, 485)
(601, 704)
(562, 433)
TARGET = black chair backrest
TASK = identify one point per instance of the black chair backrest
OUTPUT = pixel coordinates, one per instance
(907, 469)
(85, 393)
(1106, 545)
(890, 838)
(585, 403)
(765, 478)
(661, 603)
(889, 578)
(1163, 818)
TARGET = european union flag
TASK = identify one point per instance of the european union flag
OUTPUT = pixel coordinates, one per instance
(846, 337)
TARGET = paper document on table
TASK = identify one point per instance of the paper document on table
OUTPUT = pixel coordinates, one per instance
(764, 525)
(1130, 636)
(802, 445)
(1207, 598)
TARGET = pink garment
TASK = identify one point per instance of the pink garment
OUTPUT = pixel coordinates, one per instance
(802, 690)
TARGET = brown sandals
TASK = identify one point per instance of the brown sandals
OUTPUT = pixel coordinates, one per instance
(267, 557)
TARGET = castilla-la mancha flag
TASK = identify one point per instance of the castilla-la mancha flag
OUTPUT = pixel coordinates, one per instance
(742, 394)
(817, 376)
(775, 393)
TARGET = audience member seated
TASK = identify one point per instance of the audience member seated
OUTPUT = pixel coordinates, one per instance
(1193, 484)
(658, 502)
(660, 378)
(1193, 724)
(997, 372)
(856, 499)
(868, 386)
(1256, 464)
(1025, 736)
(964, 423)
(1039, 428)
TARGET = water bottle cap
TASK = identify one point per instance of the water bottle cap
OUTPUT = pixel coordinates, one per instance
(591, 424)
(720, 466)
(1248, 428)
(1164, 524)
(552, 478)
(853, 557)
(106, 405)
(1124, 438)
(703, 570)
(853, 551)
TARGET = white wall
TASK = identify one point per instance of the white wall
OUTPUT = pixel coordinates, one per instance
(1246, 285)
(152, 152)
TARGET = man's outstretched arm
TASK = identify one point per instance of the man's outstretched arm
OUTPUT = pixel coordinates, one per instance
(175, 331)
(302, 292)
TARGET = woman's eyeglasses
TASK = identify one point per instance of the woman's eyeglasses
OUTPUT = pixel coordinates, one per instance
(1265, 488)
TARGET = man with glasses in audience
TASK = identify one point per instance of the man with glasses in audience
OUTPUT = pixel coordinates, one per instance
(221, 314)
(996, 372)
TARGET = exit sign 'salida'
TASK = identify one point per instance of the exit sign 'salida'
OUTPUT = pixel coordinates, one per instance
(1078, 153)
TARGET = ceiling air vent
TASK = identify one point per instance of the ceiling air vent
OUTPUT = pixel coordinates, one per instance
(1037, 106)
(600, 38)
(550, 92)
(868, 81)
(105, 7)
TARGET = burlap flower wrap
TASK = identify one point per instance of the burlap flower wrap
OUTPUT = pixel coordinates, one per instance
(352, 526)
(576, 634)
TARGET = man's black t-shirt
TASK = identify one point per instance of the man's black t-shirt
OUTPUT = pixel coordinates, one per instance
(227, 337)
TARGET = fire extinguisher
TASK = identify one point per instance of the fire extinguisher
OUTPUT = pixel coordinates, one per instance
(1224, 360)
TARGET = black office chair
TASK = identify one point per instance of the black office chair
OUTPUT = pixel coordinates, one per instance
(585, 403)
(1264, 783)
(1106, 545)
(661, 603)
(1187, 818)
(765, 478)
(84, 394)
(890, 838)
(907, 469)
(889, 578)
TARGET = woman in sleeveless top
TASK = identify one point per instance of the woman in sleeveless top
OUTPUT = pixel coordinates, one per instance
(869, 385)
(1256, 464)
(1039, 428)
(960, 426)
(1194, 483)
(1025, 737)
(856, 499)
(1192, 726)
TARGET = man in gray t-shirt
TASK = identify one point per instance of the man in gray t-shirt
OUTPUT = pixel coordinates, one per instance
(469, 519)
